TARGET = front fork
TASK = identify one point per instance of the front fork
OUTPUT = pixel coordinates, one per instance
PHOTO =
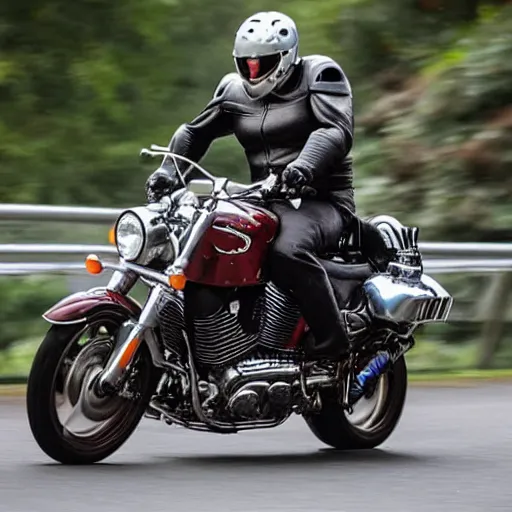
(126, 347)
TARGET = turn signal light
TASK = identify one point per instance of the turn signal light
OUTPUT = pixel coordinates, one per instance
(93, 264)
(112, 236)
(178, 281)
(128, 353)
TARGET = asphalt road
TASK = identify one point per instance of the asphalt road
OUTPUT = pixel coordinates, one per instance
(451, 452)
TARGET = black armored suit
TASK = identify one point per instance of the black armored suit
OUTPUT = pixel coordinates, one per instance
(308, 123)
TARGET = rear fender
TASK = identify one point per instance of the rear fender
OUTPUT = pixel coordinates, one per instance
(77, 308)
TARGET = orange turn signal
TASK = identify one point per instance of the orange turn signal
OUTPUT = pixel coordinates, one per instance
(93, 264)
(128, 353)
(178, 281)
(112, 235)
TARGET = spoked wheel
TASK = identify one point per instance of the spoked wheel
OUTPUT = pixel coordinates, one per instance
(70, 422)
(373, 418)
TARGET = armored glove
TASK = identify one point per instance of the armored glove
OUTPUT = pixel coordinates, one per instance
(296, 181)
(295, 178)
(159, 184)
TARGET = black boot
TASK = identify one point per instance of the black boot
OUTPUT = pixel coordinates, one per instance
(357, 323)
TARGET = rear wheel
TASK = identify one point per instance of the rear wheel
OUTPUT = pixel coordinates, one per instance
(373, 420)
(69, 421)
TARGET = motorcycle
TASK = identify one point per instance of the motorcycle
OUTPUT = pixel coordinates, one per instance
(217, 347)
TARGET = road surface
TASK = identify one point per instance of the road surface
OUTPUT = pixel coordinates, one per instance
(451, 452)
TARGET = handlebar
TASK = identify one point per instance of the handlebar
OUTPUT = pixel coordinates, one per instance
(165, 152)
(266, 189)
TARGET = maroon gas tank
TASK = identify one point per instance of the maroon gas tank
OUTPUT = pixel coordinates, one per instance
(234, 247)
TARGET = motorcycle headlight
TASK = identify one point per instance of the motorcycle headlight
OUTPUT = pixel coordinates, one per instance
(130, 236)
(141, 237)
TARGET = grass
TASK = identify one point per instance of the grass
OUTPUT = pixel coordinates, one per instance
(459, 377)
(18, 358)
(17, 390)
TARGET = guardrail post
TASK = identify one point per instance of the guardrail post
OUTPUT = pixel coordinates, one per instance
(495, 318)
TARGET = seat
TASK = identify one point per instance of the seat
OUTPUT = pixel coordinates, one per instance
(340, 270)
(362, 253)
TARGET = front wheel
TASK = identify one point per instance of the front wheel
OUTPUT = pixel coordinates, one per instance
(70, 423)
(373, 419)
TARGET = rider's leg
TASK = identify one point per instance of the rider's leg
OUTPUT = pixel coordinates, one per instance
(315, 227)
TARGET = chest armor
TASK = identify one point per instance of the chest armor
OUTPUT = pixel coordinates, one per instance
(277, 130)
(272, 131)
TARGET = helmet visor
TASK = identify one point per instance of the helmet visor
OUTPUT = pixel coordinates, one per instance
(256, 69)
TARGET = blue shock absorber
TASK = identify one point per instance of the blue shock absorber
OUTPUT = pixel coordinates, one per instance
(372, 371)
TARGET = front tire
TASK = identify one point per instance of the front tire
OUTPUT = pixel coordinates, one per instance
(342, 431)
(70, 423)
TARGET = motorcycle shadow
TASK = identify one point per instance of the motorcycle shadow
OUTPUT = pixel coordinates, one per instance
(318, 458)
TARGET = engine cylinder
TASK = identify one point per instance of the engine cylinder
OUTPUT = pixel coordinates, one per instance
(220, 336)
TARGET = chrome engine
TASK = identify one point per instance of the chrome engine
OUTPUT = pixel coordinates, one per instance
(250, 377)
(219, 339)
(258, 387)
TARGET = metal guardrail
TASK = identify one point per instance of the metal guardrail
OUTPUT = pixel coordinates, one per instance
(52, 249)
(58, 213)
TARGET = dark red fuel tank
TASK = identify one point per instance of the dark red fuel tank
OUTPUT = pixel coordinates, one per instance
(234, 247)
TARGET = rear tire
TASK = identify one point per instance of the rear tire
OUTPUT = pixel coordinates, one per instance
(332, 424)
(51, 394)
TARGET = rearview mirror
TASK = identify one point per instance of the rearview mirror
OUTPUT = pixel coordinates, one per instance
(201, 187)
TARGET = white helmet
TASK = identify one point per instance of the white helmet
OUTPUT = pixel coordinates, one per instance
(266, 48)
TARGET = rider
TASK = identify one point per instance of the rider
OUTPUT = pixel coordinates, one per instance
(293, 116)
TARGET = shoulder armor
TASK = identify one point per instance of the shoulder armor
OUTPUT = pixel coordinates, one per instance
(225, 83)
(324, 75)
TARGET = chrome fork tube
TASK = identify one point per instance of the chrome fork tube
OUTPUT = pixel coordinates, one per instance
(125, 349)
(122, 282)
(198, 230)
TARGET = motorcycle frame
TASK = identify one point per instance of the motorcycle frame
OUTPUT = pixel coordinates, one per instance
(78, 308)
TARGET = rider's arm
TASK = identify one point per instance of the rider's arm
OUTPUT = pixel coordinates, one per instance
(193, 139)
(331, 104)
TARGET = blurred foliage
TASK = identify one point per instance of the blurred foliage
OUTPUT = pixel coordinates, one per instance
(441, 141)
(85, 84)
(29, 298)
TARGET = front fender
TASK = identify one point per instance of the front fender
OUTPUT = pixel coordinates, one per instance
(76, 308)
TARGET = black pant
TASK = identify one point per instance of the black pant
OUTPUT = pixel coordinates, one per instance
(315, 228)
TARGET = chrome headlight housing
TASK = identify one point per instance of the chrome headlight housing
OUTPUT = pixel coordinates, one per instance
(129, 236)
(141, 237)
